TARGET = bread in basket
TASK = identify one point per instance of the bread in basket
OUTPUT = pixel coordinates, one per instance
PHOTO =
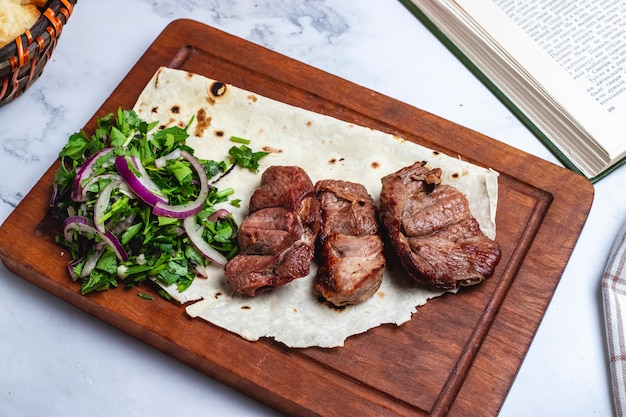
(22, 59)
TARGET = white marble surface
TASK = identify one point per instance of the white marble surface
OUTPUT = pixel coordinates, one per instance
(57, 361)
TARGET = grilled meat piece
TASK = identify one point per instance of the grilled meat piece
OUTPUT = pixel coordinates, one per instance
(430, 227)
(277, 239)
(255, 274)
(281, 186)
(350, 250)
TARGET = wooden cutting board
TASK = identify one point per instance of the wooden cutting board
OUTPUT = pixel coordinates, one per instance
(457, 356)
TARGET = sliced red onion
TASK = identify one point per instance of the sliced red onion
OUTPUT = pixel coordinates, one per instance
(94, 179)
(78, 224)
(160, 162)
(54, 196)
(182, 211)
(122, 226)
(70, 268)
(179, 211)
(91, 262)
(143, 186)
(219, 214)
(82, 225)
(115, 244)
(102, 202)
(84, 172)
(195, 236)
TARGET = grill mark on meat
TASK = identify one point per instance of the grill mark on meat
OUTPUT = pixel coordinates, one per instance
(277, 238)
(350, 249)
(430, 227)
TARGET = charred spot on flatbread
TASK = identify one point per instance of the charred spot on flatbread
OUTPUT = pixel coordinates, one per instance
(175, 109)
(215, 90)
(203, 122)
(218, 89)
(167, 124)
(271, 149)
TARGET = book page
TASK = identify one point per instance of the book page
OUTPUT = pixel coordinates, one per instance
(585, 37)
(562, 48)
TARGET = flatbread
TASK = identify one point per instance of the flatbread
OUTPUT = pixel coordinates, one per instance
(326, 148)
(15, 18)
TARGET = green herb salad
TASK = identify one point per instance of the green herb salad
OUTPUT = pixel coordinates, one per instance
(136, 204)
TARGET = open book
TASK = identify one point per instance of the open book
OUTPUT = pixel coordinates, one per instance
(560, 66)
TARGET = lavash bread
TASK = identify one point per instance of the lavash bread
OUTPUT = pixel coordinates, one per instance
(16, 16)
(326, 148)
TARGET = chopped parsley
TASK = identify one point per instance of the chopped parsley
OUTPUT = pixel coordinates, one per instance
(114, 236)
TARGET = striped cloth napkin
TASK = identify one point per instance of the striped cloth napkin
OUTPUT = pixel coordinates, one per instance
(614, 297)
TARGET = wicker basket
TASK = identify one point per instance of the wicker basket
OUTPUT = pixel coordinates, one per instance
(23, 60)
